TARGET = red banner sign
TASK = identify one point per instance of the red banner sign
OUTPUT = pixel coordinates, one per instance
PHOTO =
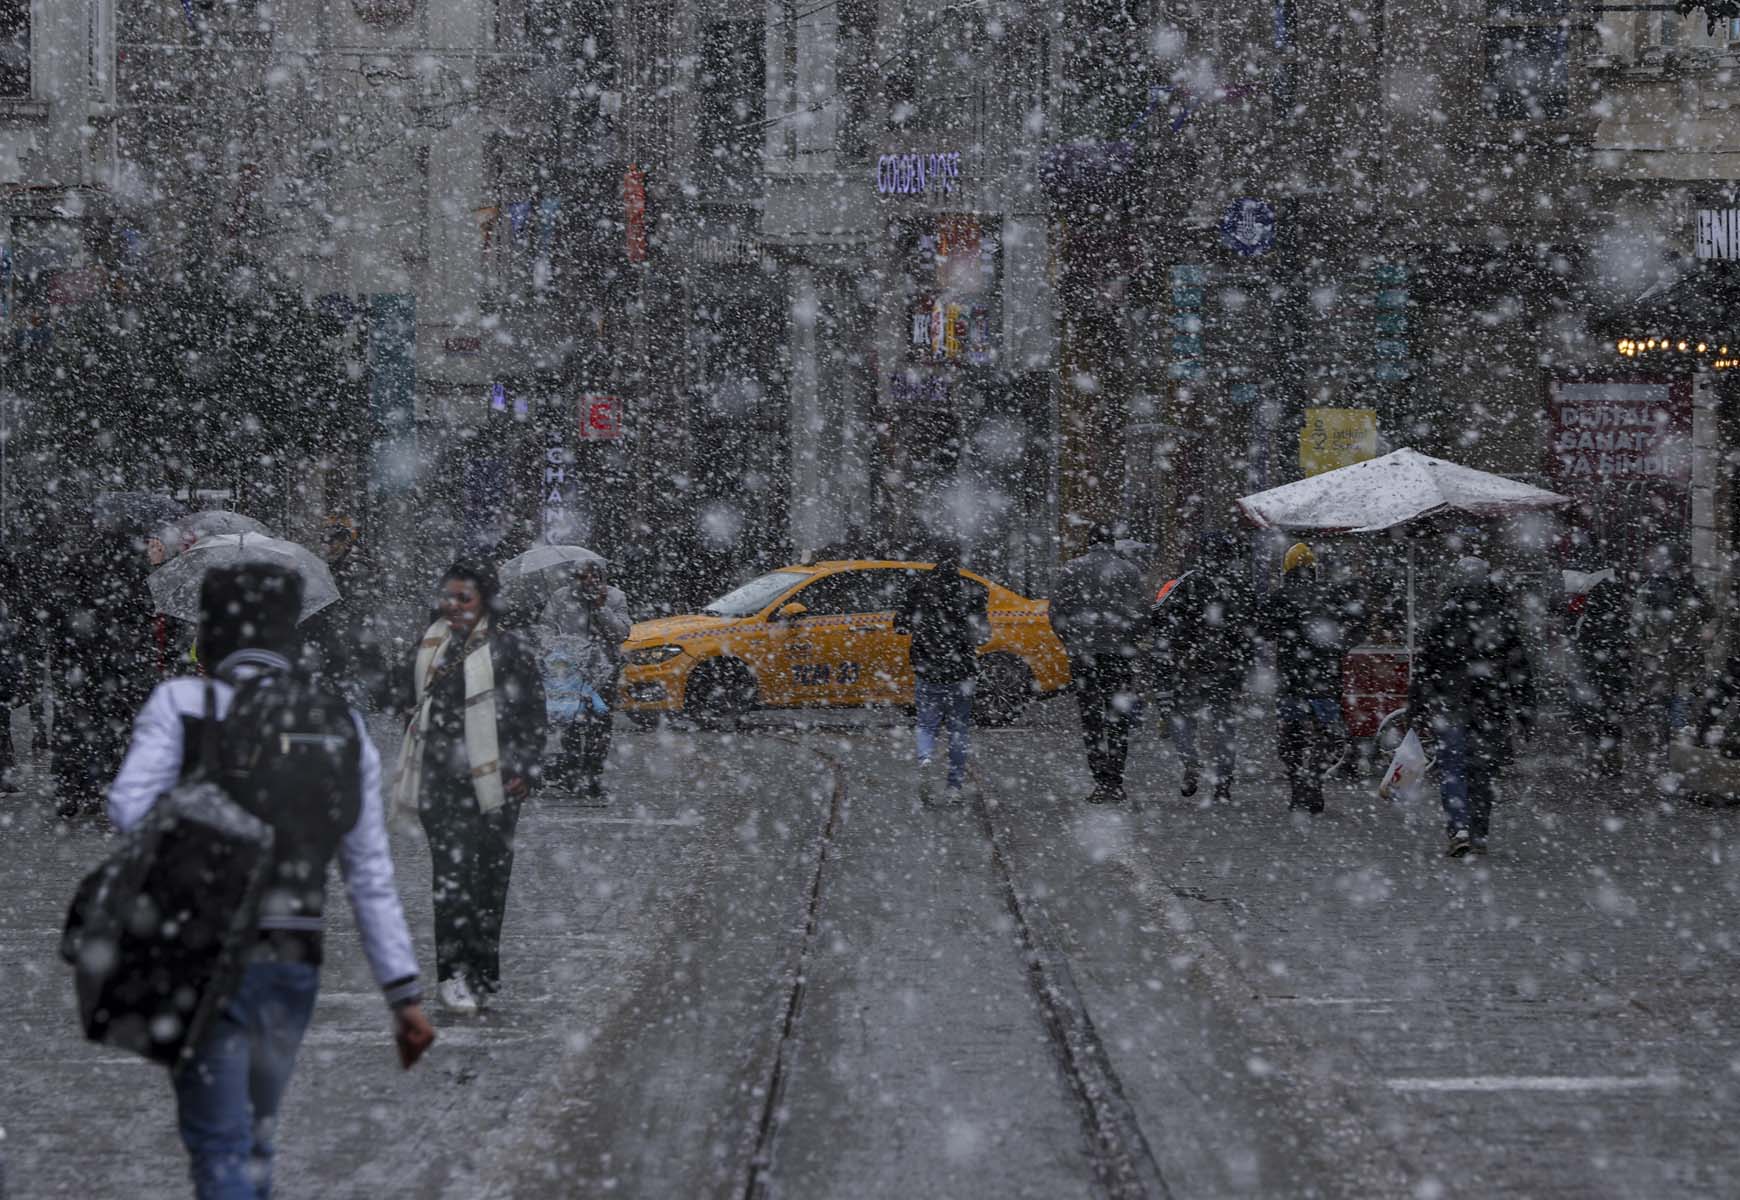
(1620, 431)
(634, 212)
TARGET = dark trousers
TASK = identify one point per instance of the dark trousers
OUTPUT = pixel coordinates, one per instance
(585, 747)
(1467, 773)
(471, 854)
(1304, 732)
(1105, 689)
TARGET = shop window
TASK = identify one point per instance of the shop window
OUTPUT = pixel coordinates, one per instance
(953, 317)
(1527, 75)
(15, 79)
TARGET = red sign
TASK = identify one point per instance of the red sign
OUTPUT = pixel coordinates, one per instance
(600, 418)
(634, 212)
(79, 286)
(1620, 431)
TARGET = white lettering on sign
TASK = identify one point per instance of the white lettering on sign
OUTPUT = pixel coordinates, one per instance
(1620, 432)
(918, 174)
(1718, 233)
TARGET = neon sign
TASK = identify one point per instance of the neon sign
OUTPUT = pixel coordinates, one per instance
(918, 174)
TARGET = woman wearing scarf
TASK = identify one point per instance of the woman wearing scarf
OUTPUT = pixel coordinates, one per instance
(470, 758)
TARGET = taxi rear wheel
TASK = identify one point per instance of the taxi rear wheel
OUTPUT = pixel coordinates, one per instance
(1005, 687)
(719, 687)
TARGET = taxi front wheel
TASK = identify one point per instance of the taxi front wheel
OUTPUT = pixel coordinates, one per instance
(720, 687)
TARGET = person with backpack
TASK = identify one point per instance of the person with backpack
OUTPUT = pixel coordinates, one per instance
(293, 754)
(471, 757)
(947, 620)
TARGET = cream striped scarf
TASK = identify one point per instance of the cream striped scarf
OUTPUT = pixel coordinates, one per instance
(482, 741)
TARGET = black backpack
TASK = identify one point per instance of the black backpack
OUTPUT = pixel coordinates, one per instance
(290, 753)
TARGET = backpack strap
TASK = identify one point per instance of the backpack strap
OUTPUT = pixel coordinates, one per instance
(209, 765)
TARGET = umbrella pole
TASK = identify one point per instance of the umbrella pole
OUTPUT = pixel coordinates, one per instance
(1410, 604)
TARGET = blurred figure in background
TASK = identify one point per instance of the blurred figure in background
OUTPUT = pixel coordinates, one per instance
(1203, 645)
(104, 658)
(947, 623)
(1313, 623)
(344, 641)
(1471, 679)
(592, 618)
(1672, 630)
(1097, 611)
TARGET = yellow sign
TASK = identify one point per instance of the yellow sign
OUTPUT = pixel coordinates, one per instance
(1336, 437)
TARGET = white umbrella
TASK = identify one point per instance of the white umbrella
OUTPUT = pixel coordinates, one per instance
(531, 578)
(175, 585)
(1382, 493)
(540, 559)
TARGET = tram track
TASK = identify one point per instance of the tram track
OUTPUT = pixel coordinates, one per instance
(1123, 1162)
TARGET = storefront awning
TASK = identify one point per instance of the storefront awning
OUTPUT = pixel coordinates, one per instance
(1692, 320)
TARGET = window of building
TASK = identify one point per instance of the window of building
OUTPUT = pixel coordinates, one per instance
(1527, 72)
(15, 48)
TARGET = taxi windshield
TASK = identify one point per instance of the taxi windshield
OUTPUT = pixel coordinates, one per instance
(755, 595)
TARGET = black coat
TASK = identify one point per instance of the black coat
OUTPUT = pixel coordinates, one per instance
(521, 722)
(948, 621)
(1313, 624)
(1203, 635)
(1471, 669)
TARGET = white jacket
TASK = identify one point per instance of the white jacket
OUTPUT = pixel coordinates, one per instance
(153, 766)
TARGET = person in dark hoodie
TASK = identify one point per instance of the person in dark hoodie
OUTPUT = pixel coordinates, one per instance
(1312, 623)
(1471, 679)
(948, 622)
(1097, 610)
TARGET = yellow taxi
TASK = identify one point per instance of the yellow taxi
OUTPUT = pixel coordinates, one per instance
(823, 635)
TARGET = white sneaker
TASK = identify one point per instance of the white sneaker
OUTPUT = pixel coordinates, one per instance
(456, 996)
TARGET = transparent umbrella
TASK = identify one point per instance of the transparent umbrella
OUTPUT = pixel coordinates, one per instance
(216, 521)
(528, 580)
(175, 585)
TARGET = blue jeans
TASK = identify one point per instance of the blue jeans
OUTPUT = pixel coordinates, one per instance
(227, 1095)
(1222, 724)
(953, 701)
(1465, 778)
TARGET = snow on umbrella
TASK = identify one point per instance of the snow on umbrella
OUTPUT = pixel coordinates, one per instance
(175, 585)
(1382, 493)
(202, 525)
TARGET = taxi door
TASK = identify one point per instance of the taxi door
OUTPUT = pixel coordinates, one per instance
(843, 649)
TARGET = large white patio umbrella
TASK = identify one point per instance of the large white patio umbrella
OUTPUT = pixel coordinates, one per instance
(1381, 493)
